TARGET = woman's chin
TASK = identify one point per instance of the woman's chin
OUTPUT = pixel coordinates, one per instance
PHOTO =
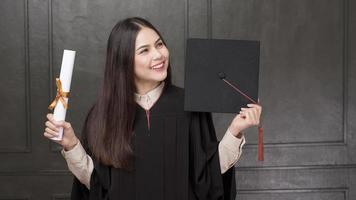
(161, 76)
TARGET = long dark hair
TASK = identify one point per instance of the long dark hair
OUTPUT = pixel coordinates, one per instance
(109, 125)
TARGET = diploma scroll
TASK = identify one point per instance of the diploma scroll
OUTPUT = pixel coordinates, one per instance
(63, 88)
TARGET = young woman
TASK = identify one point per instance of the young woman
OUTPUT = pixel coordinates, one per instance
(137, 140)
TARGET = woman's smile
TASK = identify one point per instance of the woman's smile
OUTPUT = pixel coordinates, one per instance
(159, 67)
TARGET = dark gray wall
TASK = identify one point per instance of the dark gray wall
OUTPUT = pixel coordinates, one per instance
(307, 86)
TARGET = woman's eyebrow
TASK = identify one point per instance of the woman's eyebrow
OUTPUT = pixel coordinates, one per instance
(158, 40)
(146, 45)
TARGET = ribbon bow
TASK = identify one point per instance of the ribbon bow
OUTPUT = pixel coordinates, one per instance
(60, 96)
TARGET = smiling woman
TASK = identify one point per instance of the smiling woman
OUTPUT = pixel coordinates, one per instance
(137, 140)
(151, 60)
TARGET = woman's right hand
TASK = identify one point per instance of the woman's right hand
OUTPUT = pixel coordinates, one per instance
(69, 139)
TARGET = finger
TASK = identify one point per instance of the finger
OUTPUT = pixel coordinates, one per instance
(48, 135)
(251, 105)
(249, 118)
(49, 116)
(247, 109)
(67, 125)
(255, 106)
(58, 123)
(51, 126)
(256, 116)
(259, 111)
(52, 120)
(258, 107)
(252, 112)
(242, 115)
(51, 132)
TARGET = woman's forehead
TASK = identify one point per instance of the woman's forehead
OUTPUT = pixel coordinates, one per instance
(146, 36)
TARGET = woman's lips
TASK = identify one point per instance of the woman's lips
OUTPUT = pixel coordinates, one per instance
(158, 66)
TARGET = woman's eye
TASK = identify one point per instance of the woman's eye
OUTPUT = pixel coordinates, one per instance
(160, 44)
(143, 51)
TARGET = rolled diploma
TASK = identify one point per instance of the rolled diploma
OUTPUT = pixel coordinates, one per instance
(65, 76)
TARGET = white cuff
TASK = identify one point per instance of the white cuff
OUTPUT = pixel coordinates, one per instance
(79, 163)
(233, 143)
(230, 150)
(74, 155)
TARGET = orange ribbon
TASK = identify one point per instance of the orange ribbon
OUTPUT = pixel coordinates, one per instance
(60, 96)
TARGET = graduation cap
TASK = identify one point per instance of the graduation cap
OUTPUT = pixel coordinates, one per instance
(222, 76)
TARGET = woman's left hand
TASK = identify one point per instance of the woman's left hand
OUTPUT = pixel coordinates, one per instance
(247, 117)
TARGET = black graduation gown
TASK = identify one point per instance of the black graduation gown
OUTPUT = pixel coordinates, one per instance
(176, 158)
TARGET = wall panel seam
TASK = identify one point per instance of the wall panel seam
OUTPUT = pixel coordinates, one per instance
(27, 148)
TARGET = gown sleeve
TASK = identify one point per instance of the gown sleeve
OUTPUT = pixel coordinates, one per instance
(99, 184)
(205, 175)
(100, 177)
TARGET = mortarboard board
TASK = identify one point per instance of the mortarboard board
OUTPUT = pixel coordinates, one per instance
(221, 75)
(210, 60)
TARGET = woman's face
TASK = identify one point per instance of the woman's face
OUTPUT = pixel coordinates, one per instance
(151, 57)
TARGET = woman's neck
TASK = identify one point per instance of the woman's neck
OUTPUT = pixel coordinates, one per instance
(144, 88)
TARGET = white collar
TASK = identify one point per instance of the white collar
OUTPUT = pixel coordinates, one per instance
(147, 100)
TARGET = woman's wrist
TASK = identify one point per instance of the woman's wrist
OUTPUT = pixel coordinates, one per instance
(239, 135)
(235, 132)
(71, 145)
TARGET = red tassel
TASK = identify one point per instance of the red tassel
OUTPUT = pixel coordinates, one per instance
(260, 130)
(260, 144)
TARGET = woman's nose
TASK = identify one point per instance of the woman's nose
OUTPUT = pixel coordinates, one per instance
(157, 54)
